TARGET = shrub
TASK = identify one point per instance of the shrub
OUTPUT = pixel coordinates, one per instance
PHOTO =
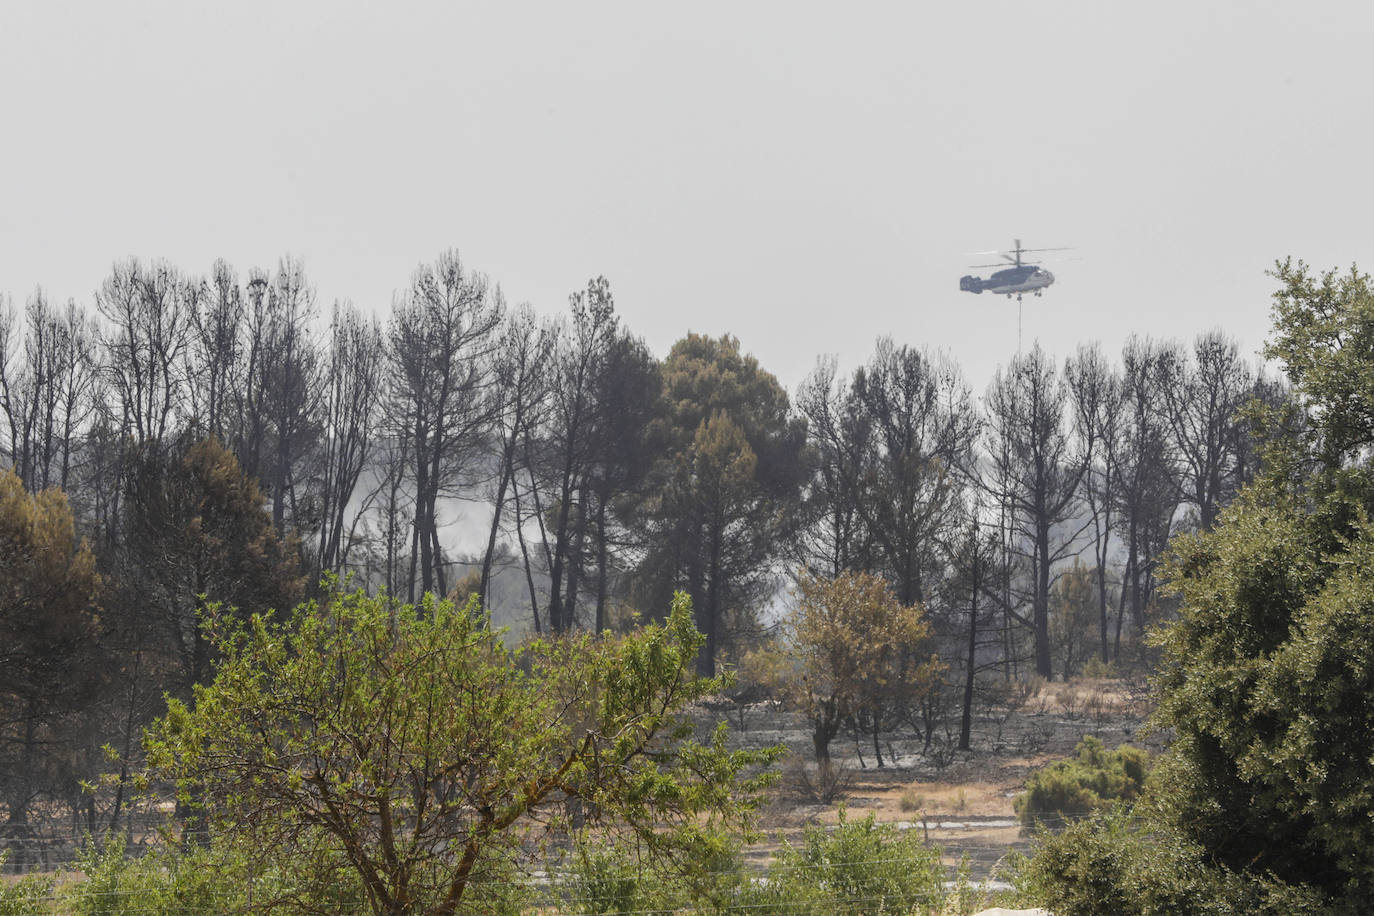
(27, 895)
(606, 876)
(1132, 867)
(912, 800)
(1077, 787)
(218, 878)
(856, 866)
(473, 749)
(604, 881)
(161, 881)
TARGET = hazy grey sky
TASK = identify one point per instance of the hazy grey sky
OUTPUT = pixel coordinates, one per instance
(805, 176)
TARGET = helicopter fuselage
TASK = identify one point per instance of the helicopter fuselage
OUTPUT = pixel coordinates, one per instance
(1024, 279)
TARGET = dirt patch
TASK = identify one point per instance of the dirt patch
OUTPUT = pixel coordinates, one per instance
(960, 800)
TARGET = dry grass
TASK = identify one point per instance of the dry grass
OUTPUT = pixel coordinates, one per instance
(1042, 724)
(963, 802)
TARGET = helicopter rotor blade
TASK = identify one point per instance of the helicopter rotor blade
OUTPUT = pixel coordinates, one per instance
(1014, 256)
(1026, 262)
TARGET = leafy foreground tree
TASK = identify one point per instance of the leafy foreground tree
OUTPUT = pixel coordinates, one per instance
(410, 751)
(1267, 677)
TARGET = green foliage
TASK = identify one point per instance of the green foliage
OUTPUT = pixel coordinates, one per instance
(411, 748)
(1095, 668)
(28, 895)
(1324, 335)
(217, 878)
(723, 494)
(1267, 682)
(857, 866)
(610, 876)
(1080, 786)
(163, 881)
(48, 632)
(1262, 802)
(197, 532)
(1268, 675)
(1129, 867)
(605, 880)
(853, 867)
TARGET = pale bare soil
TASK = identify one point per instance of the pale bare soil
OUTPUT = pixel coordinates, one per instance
(959, 800)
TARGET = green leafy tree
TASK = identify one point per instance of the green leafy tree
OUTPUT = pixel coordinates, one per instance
(1324, 340)
(1266, 681)
(410, 748)
(1262, 802)
(725, 493)
(48, 630)
(198, 531)
(1128, 866)
(1268, 674)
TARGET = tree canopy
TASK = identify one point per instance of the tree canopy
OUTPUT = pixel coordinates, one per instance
(48, 592)
(408, 747)
(850, 649)
(724, 493)
(1268, 674)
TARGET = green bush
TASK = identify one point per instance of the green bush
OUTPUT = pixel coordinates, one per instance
(605, 881)
(1266, 677)
(609, 876)
(1133, 867)
(1075, 788)
(158, 882)
(214, 879)
(857, 866)
(28, 895)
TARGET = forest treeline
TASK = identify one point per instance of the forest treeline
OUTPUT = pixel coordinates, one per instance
(186, 444)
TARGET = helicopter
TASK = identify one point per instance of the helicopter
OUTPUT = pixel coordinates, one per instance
(1021, 277)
